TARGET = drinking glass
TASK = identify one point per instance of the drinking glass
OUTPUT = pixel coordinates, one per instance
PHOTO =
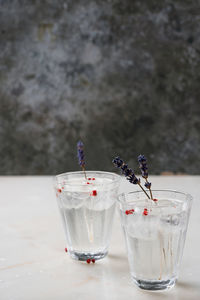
(87, 206)
(155, 234)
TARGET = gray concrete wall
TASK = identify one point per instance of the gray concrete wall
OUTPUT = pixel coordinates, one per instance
(124, 76)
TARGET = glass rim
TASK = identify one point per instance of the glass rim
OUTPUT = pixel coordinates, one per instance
(188, 197)
(115, 180)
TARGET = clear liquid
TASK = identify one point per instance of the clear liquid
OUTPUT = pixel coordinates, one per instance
(155, 243)
(88, 230)
(87, 218)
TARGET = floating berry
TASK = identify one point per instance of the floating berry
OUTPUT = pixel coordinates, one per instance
(88, 261)
(66, 250)
(93, 178)
(129, 212)
(88, 183)
(155, 200)
(94, 193)
(145, 212)
(89, 178)
(93, 260)
(59, 190)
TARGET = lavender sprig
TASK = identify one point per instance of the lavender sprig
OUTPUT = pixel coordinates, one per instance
(129, 173)
(144, 170)
(81, 156)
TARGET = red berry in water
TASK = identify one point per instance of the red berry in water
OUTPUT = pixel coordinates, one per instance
(89, 178)
(93, 260)
(88, 261)
(59, 190)
(94, 193)
(145, 212)
(88, 183)
(155, 199)
(66, 250)
(93, 178)
(129, 212)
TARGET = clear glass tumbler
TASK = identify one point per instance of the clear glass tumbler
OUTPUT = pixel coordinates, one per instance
(87, 207)
(155, 234)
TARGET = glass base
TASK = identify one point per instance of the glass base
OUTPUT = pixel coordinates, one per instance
(86, 256)
(154, 285)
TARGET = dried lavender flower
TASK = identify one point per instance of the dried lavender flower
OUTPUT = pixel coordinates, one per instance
(125, 170)
(119, 163)
(133, 179)
(81, 156)
(129, 173)
(143, 165)
(147, 185)
(144, 170)
(80, 152)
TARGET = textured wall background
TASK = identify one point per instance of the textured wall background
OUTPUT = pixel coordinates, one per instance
(124, 76)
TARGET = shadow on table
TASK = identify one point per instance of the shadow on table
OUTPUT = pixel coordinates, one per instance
(182, 291)
(188, 285)
(189, 290)
(119, 264)
(118, 257)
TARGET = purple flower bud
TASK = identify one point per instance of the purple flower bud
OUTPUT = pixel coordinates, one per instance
(133, 179)
(118, 162)
(144, 173)
(142, 159)
(80, 154)
(147, 185)
(125, 170)
(129, 174)
(143, 165)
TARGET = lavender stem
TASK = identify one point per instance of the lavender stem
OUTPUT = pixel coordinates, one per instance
(144, 190)
(149, 189)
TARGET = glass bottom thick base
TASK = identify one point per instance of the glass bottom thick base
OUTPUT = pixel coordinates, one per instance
(154, 285)
(86, 256)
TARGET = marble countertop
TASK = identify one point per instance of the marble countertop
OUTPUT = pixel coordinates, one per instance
(34, 266)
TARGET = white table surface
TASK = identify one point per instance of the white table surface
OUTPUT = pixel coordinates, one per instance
(33, 264)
